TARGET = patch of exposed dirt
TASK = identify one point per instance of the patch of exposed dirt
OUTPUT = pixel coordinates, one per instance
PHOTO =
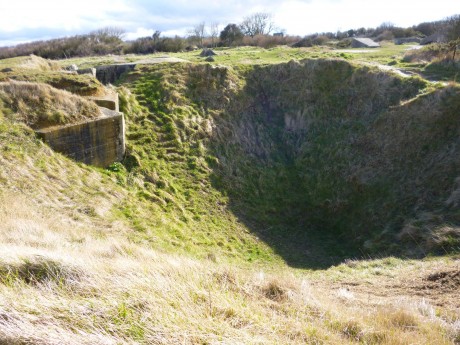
(450, 279)
(440, 285)
(437, 283)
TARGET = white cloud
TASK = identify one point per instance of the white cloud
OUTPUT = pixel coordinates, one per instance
(140, 32)
(299, 17)
(22, 20)
(64, 14)
(172, 33)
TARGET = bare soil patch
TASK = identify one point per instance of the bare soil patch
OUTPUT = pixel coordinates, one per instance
(437, 283)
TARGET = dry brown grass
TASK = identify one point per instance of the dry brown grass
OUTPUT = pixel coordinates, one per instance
(38, 63)
(40, 105)
(62, 283)
(430, 53)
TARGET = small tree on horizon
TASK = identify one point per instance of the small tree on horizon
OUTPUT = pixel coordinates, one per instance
(198, 32)
(108, 34)
(156, 36)
(214, 33)
(231, 34)
(257, 24)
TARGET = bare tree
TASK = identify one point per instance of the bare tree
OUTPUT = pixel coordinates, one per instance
(214, 33)
(257, 24)
(156, 36)
(386, 26)
(108, 34)
(198, 32)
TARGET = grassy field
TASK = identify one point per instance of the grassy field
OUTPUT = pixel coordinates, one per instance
(261, 201)
(257, 55)
(394, 57)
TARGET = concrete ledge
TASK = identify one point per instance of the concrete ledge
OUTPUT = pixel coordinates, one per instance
(99, 142)
(109, 101)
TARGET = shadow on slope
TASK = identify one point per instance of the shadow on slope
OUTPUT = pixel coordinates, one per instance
(328, 162)
(321, 159)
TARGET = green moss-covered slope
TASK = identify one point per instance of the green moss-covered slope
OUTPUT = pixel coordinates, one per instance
(315, 157)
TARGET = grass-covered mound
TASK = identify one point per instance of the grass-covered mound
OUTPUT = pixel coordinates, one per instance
(38, 70)
(40, 105)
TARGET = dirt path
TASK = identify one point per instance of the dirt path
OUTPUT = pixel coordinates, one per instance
(159, 59)
(387, 68)
(401, 72)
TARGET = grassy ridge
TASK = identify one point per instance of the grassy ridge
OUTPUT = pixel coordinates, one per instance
(40, 105)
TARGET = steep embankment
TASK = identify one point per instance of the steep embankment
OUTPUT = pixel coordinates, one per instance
(313, 154)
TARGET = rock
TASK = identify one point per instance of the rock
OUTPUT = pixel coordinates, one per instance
(207, 52)
(454, 199)
(5, 70)
(72, 68)
(210, 59)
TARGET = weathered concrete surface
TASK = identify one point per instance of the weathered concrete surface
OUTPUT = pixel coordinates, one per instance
(99, 142)
(90, 71)
(404, 40)
(364, 43)
(111, 73)
(109, 101)
(435, 38)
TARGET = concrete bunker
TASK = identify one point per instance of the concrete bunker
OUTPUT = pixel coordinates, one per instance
(364, 43)
(111, 73)
(99, 142)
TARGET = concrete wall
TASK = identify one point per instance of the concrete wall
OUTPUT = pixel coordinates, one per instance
(98, 142)
(111, 73)
(90, 71)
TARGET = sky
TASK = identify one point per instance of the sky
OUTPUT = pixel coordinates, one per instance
(29, 20)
